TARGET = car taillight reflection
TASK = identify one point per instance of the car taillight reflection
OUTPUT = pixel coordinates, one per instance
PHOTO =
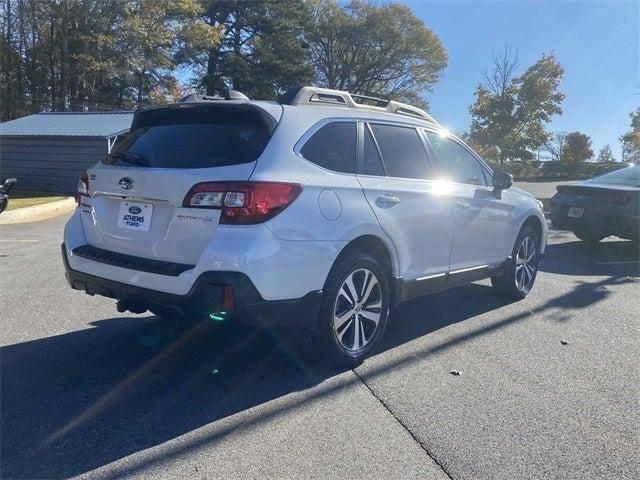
(83, 187)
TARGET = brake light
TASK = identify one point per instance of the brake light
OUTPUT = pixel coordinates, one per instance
(83, 187)
(243, 203)
(227, 303)
(616, 197)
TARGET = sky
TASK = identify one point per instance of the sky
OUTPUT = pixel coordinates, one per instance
(597, 43)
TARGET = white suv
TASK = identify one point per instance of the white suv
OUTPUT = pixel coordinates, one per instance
(323, 210)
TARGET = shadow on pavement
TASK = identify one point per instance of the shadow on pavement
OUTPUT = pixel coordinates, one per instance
(612, 257)
(74, 402)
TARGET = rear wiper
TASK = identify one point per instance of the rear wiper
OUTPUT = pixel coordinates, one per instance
(130, 158)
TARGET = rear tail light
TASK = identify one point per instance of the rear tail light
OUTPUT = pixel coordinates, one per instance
(83, 187)
(243, 203)
(227, 303)
(569, 193)
(616, 197)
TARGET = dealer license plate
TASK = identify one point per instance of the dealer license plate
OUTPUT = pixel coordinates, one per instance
(135, 216)
(575, 212)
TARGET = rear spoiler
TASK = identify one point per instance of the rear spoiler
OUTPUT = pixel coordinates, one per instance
(205, 112)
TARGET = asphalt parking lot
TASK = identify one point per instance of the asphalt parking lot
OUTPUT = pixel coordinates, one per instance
(548, 386)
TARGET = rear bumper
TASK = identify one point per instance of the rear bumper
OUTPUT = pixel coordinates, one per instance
(279, 269)
(596, 219)
(205, 297)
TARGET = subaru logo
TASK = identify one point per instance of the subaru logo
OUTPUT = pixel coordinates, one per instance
(134, 210)
(126, 183)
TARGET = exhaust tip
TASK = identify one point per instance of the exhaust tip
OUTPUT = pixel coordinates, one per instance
(128, 306)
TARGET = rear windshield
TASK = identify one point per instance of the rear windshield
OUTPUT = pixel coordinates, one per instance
(192, 137)
(624, 176)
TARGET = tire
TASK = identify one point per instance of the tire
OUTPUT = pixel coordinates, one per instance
(589, 237)
(347, 329)
(517, 280)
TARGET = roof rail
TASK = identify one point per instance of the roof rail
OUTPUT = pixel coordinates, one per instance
(228, 95)
(316, 95)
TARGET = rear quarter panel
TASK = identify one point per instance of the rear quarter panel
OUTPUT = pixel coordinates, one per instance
(332, 206)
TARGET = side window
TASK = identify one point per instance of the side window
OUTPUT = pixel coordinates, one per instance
(402, 151)
(333, 147)
(371, 161)
(454, 162)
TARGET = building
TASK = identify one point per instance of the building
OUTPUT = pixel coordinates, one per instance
(47, 151)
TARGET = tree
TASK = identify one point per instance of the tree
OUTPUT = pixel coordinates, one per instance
(122, 54)
(554, 145)
(576, 148)
(631, 140)
(488, 153)
(262, 52)
(151, 37)
(93, 54)
(605, 155)
(510, 113)
(382, 50)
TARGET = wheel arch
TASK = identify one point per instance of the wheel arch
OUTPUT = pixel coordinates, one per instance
(534, 222)
(376, 247)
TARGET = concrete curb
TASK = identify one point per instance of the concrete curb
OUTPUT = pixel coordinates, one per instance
(27, 214)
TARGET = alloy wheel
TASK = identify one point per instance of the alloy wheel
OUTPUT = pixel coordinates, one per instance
(526, 264)
(357, 310)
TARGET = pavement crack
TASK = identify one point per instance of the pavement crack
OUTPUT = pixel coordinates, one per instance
(405, 426)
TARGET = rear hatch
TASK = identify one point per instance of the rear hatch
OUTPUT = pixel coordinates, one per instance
(592, 193)
(136, 194)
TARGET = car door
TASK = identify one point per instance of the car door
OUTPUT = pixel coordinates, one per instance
(482, 221)
(394, 170)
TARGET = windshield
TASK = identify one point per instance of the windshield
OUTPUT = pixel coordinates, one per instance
(625, 176)
(191, 138)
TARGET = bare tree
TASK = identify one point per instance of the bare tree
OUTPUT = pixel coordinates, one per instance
(498, 79)
(555, 145)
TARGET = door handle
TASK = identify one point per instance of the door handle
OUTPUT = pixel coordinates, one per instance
(460, 206)
(387, 200)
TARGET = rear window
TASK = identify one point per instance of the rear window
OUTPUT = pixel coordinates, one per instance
(192, 137)
(624, 176)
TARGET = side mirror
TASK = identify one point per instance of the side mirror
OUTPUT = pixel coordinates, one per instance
(8, 185)
(501, 181)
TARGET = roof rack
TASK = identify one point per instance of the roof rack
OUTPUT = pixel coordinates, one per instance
(316, 95)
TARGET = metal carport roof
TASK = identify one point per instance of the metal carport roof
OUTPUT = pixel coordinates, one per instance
(69, 124)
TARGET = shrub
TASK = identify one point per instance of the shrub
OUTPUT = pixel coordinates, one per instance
(519, 170)
(575, 171)
(553, 170)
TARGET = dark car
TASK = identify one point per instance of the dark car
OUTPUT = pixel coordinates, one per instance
(601, 206)
(4, 193)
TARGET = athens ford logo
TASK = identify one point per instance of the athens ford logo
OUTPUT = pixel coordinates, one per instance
(134, 210)
(126, 183)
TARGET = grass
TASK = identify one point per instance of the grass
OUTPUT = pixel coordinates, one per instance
(28, 199)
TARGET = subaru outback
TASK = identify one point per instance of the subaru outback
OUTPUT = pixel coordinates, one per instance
(323, 210)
